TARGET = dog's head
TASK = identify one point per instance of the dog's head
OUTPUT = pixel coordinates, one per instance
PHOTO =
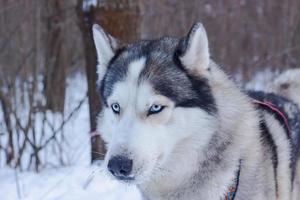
(287, 84)
(156, 95)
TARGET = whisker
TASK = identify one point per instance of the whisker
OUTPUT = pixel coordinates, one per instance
(96, 152)
(89, 179)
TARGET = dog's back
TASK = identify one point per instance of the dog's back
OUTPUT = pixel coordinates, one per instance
(288, 115)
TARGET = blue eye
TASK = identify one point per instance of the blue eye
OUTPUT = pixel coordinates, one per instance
(155, 109)
(116, 108)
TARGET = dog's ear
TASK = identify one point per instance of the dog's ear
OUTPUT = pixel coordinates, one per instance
(193, 50)
(106, 46)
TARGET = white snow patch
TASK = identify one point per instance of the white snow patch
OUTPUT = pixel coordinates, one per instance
(69, 183)
(87, 4)
(262, 80)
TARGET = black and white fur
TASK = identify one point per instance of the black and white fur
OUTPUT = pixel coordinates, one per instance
(287, 84)
(177, 127)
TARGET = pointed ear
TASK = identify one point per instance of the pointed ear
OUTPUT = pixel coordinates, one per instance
(194, 51)
(106, 46)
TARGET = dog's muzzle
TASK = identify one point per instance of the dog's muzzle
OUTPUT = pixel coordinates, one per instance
(120, 167)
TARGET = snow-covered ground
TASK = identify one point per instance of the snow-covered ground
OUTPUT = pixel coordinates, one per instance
(75, 181)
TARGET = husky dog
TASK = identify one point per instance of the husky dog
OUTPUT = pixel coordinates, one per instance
(288, 84)
(177, 127)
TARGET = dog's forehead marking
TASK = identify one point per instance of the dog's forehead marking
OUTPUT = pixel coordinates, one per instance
(125, 91)
(134, 69)
(118, 69)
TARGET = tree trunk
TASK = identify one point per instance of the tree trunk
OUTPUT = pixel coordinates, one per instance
(9, 150)
(56, 58)
(85, 22)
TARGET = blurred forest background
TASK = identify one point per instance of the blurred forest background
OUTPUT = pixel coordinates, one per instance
(44, 43)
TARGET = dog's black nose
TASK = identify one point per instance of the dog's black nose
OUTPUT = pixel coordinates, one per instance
(120, 167)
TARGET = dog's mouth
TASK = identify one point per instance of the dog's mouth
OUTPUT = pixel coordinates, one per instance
(130, 179)
(127, 179)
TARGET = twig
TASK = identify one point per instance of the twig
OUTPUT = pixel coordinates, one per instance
(18, 185)
(63, 123)
(63, 178)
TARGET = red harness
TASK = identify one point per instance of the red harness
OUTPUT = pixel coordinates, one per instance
(271, 106)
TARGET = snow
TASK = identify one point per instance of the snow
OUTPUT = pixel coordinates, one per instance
(261, 80)
(87, 4)
(77, 180)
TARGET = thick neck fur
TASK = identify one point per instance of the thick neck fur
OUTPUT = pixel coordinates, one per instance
(207, 174)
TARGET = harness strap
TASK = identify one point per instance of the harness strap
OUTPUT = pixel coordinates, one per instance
(230, 195)
(271, 106)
